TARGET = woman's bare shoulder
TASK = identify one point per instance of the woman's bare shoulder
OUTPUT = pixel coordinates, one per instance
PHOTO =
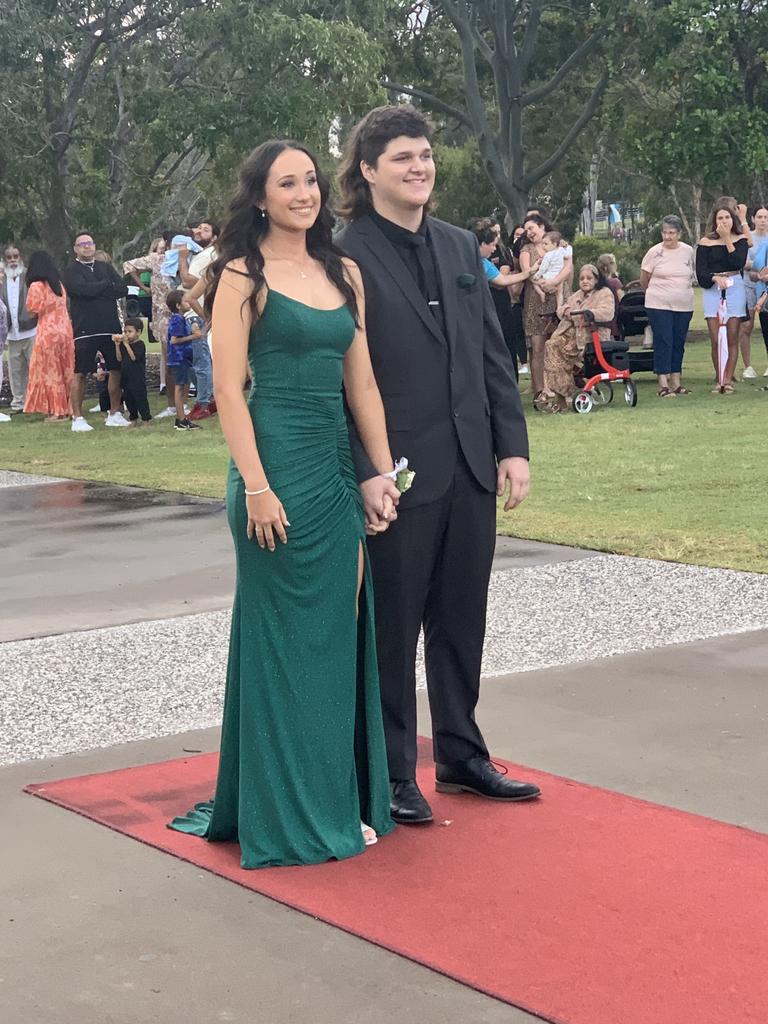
(237, 265)
(237, 276)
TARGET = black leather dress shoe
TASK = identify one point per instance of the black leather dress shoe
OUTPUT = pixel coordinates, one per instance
(406, 803)
(478, 775)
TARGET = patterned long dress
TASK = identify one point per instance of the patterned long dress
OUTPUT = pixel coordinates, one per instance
(159, 287)
(564, 351)
(53, 357)
(533, 305)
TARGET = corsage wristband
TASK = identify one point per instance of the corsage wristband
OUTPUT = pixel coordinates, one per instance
(402, 476)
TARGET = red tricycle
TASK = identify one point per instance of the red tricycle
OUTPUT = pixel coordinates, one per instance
(601, 373)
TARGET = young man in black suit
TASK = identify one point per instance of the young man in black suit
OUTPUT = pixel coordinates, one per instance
(454, 411)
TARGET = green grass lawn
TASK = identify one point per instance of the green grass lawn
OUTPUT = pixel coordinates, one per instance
(680, 479)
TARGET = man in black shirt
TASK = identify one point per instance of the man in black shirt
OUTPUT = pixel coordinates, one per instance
(453, 409)
(93, 288)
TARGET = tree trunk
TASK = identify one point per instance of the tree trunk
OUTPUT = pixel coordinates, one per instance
(513, 28)
(696, 196)
(56, 228)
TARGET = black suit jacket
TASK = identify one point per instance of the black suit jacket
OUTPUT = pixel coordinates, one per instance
(440, 392)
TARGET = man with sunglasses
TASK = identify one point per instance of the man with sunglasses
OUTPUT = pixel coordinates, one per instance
(93, 288)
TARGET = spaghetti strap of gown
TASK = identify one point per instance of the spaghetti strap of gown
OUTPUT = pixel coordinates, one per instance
(302, 759)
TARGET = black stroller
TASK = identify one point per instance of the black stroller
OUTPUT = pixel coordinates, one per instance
(632, 320)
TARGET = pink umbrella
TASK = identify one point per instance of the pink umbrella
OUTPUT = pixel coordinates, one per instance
(722, 340)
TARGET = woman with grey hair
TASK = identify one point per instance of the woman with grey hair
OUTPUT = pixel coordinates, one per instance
(667, 274)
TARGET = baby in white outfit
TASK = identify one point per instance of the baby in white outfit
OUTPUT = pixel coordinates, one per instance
(552, 263)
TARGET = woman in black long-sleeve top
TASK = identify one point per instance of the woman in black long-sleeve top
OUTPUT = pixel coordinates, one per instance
(720, 258)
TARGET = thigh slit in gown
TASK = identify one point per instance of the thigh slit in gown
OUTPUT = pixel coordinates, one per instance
(302, 757)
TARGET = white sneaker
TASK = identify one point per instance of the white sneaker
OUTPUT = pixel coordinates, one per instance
(766, 373)
(749, 373)
(4, 418)
(80, 425)
(116, 419)
(96, 408)
(169, 411)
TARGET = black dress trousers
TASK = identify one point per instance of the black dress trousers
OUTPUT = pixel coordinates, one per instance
(433, 566)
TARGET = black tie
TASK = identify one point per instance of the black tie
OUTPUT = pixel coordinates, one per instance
(428, 285)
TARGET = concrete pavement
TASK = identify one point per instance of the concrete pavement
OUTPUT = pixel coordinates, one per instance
(98, 929)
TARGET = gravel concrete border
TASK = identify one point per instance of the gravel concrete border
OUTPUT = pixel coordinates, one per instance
(85, 690)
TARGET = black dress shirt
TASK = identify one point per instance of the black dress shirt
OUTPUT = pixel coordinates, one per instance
(415, 250)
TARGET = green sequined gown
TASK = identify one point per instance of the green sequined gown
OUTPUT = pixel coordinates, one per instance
(302, 758)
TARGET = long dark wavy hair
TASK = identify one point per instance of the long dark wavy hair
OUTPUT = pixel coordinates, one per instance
(246, 226)
(537, 218)
(42, 268)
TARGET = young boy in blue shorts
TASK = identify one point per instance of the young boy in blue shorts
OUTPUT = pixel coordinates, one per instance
(180, 338)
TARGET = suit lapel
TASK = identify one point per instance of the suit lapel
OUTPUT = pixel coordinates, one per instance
(386, 254)
(442, 247)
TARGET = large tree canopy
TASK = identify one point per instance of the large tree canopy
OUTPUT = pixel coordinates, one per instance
(522, 64)
(125, 115)
(122, 115)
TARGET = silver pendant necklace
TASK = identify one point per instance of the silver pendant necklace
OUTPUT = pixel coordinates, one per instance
(287, 259)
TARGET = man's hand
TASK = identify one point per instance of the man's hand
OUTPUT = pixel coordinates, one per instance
(380, 499)
(515, 471)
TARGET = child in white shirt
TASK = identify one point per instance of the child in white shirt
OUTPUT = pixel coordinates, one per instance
(552, 263)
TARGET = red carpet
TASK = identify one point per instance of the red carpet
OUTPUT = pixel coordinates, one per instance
(586, 908)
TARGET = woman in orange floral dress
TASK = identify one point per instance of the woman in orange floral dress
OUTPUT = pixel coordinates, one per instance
(53, 357)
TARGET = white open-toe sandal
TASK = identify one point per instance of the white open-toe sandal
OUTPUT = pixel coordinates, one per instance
(369, 836)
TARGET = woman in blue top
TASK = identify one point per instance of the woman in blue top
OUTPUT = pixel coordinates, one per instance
(760, 269)
(510, 318)
(487, 241)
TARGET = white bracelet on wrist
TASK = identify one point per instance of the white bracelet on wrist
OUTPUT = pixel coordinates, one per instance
(400, 465)
(262, 491)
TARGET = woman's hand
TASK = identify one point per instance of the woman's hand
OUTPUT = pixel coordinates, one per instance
(380, 498)
(742, 213)
(719, 281)
(548, 286)
(266, 517)
(723, 231)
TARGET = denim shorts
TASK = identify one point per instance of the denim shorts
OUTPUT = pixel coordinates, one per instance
(735, 299)
(182, 374)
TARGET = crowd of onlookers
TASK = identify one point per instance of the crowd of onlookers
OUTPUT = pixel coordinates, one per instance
(62, 327)
(538, 298)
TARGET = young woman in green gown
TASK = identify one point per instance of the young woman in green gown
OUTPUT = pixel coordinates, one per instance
(302, 773)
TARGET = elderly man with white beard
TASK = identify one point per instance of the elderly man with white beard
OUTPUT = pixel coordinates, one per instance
(22, 326)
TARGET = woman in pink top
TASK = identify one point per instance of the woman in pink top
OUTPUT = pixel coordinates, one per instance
(666, 274)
